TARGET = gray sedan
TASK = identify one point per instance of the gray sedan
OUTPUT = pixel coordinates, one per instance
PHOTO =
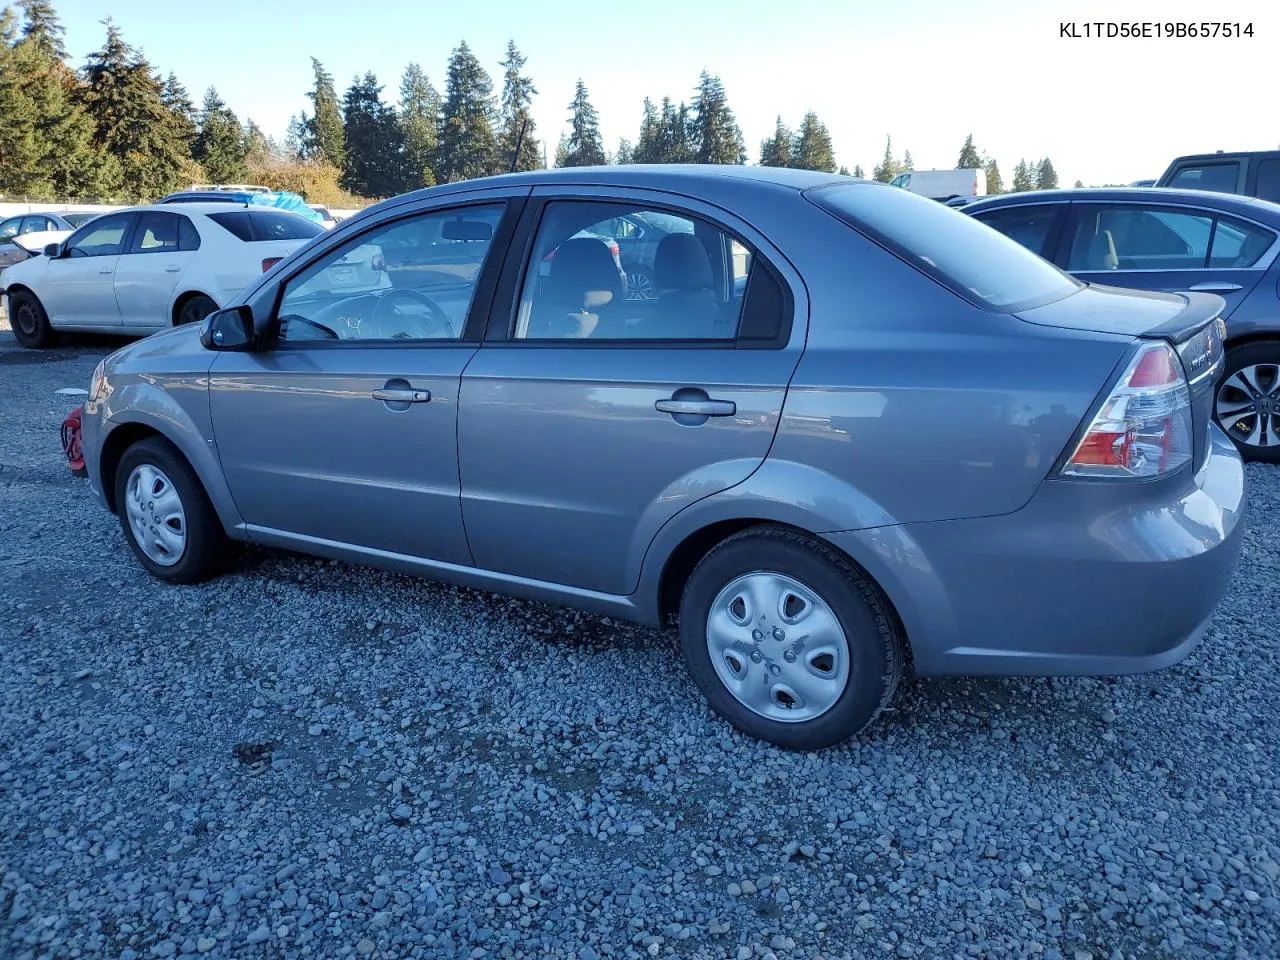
(851, 429)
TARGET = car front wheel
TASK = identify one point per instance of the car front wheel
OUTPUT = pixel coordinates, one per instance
(788, 640)
(1247, 405)
(28, 320)
(167, 518)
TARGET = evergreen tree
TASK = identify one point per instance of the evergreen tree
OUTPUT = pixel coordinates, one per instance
(259, 149)
(716, 132)
(995, 184)
(648, 147)
(467, 145)
(907, 162)
(124, 99)
(1079, 185)
(373, 141)
(562, 151)
(626, 153)
(857, 171)
(517, 100)
(812, 147)
(888, 168)
(44, 29)
(1046, 176)
(1022, 179)
(419, 122)
(324, 136)
(776, 150)
(844, 171)
(969, 156)
(674, 142)
(584, 144)
(295, 137)
(174, 96)
(219, 146)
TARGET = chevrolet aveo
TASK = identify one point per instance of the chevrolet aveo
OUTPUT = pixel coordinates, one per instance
(849, 428)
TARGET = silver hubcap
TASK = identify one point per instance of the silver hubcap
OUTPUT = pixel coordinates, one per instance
(640, 287)
(155, 513)
(1248, 405)
(777, 647)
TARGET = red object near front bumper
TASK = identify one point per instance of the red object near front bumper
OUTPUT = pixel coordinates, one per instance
(71, 442)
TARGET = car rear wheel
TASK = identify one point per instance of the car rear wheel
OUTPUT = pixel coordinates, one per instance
(167, 518)
(788, 640)
(196, 309)
(639, 286)
(1247, 405)
(28, 320)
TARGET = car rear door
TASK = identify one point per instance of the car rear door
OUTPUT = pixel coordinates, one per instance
(161, 249)
(1167, 248)
(78, 287)
(587, 419)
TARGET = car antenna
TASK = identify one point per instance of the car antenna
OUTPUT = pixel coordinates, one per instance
(515, 156)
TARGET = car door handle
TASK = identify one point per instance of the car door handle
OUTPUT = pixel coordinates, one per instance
(401, 395)
(1215, 286)
(172, 268)
(698, 408)
(107, 270)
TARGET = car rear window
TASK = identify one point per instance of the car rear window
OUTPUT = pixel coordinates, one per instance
(255, 225)
(970, 258)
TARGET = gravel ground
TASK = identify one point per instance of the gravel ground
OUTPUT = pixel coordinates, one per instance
(310, 759)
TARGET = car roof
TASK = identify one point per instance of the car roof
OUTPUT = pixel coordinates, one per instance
(201, 206)
(1226, 202)
(1228, 155)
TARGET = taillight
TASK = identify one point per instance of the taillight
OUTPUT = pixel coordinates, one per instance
(1143, 429)
(270, 262)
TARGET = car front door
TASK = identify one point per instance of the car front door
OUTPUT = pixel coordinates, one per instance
(1166, 248)
(341, 435)
(588, 419)
(162, 247)
(79, 285)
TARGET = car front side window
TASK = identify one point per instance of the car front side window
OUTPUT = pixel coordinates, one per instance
(104, 237)
(576, 287)
(412, 279)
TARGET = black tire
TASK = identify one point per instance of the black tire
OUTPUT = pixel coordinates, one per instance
(207, 545)
(195, 309)
(29, 322)
(875, 642)
(1259, 353)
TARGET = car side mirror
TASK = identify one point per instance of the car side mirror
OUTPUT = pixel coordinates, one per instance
(52, 250)
(230, 329)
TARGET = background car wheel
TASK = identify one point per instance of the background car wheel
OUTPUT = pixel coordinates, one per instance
(195, 310)
(1247, 405)
(166, 516)
(639, 286)
(788, 640)
(29, 322)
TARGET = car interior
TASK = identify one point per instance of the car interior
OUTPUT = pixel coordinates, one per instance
(1129, 239)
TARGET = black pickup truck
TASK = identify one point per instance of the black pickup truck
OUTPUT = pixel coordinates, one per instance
(1254, 174)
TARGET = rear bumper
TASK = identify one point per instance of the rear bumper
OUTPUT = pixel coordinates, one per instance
(1086, 579)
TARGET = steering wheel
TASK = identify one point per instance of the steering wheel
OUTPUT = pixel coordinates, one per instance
(385, 314)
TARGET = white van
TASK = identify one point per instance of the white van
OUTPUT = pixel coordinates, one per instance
(944, 184)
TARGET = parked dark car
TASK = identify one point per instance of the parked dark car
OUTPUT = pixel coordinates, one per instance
(1175, 240)
(854, 426)
(1253, 173)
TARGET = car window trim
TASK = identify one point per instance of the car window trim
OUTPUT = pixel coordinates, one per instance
(500, 329)
(1262, 264)
(481, 299)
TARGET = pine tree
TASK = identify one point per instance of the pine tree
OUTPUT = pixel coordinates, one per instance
(1079, 184)
(995, 184)
(517, 100)
(674, 141)
(844, 171)
(1046, 176)
(647, 148)
(907, 162)
(124, 99)
(174, 96)
(324, 136)
(1022, 180)
(716, 132)
(584, 144)
(373, 141)
(969, 157)
(295, 137)
(625, 153)
(219, 146)
(776, 150)
(419, 122)
(812, 147)
(857, 171)
(562, 151)
(888, 168)
(467, 146)
(259, 149)
(44, 29)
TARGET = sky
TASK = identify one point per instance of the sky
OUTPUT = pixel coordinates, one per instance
(926, 72)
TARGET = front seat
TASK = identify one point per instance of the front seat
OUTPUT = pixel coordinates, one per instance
(582, 283)
(687, 302)
(1102, 252)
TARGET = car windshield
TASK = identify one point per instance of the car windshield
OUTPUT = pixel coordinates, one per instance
(972, 259)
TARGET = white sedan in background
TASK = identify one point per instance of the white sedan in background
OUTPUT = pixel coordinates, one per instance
(148, 268)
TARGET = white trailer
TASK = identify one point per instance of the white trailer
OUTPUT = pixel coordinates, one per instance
(944, 184)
